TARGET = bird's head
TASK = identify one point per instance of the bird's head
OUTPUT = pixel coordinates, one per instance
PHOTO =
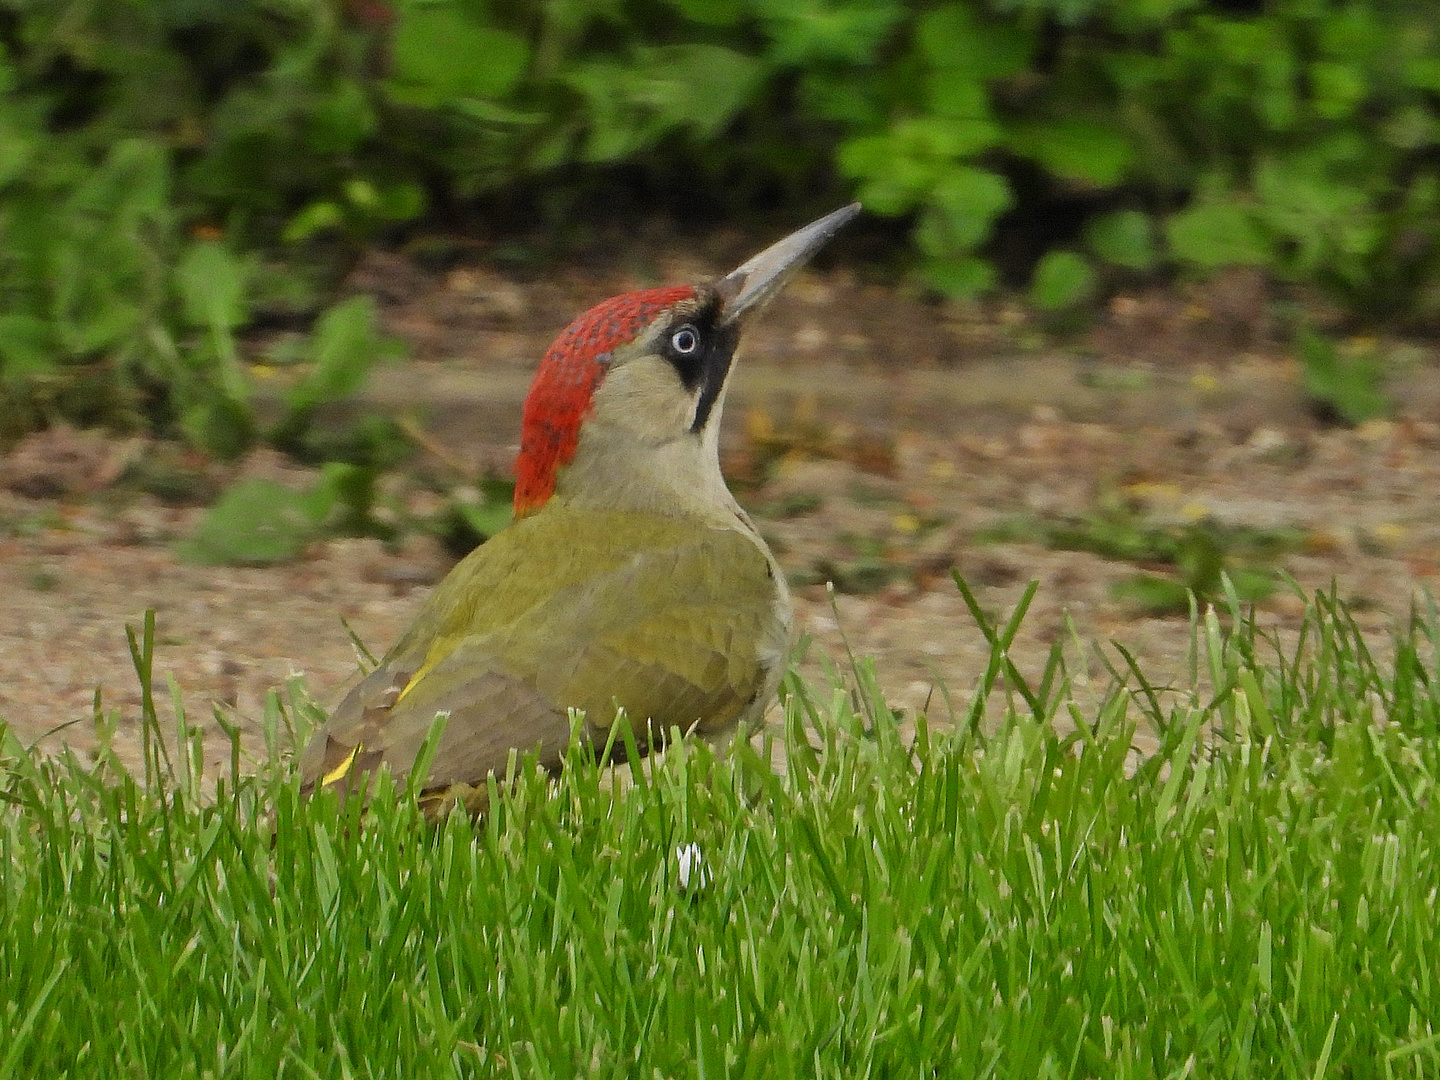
(624, 412)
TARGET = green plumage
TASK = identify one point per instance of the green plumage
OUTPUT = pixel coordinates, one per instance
(568, 608)
(637, 581)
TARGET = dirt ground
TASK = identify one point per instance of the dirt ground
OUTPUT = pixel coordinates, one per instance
(879, 439)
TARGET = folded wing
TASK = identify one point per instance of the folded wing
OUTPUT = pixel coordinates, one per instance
(674, 630)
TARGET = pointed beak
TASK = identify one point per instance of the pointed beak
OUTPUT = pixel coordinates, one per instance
(749, 287)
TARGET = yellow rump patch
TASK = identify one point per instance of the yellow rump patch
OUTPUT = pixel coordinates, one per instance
(438, 651)
(338, 773)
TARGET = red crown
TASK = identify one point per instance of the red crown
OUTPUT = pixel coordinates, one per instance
(565, 383)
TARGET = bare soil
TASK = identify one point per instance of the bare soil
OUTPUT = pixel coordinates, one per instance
(880, 439)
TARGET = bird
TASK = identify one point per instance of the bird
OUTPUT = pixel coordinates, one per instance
(629, 578)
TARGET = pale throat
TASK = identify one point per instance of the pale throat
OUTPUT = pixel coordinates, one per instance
(679, 475)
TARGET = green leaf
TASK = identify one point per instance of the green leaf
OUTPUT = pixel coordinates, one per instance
(1217, 233)
(219, 425)
(93, 315)
(710, 12)
(1200, 559)
(131, 185)
(212, 286)
(1075, 149)
(17, 148)
(350, 488)
(1252, 584)
(489, 113)
(341, 120)
(963, 205)
(1153, 594)
(322, 215)
(1351, 386)
(1337, 88)
(1275, 93)
(27, 347)
(1063, 279)
(815, 32)
(401, 201)
(486, 518)
(102, 249)
(1148, 14)
(845, 96)
(361, 193)
(954, 94)
(915, 158)
(440, 52)
(893, 184)
(953, 40)
(660, 89)
(961, 278)
(1423, 73)
(475, 515)
(257, 522)
(1123, 238)
(346, 344)
(1311, 199)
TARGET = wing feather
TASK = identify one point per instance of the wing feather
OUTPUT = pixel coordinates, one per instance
(672, 628)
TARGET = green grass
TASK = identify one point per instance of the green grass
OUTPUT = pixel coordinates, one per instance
(1257, 899)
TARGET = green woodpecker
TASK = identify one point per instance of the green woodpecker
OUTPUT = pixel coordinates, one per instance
(630, 577)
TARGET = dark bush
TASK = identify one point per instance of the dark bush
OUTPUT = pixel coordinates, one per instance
(154, 154)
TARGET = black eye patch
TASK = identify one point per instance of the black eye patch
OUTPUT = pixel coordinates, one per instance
(700, 351)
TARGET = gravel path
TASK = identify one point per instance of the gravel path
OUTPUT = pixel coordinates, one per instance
(857, 466)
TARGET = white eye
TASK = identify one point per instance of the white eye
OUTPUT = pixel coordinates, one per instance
(685, 340)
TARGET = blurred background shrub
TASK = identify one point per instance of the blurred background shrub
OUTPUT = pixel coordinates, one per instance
(175, 172)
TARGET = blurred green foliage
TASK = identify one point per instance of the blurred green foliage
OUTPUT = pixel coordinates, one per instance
(258, 521)
(1344, 383)
(1195, 558)
(174, 171)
